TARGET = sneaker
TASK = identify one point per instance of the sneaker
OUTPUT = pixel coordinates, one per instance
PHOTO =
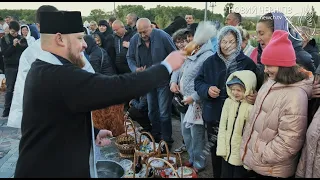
(181, 149)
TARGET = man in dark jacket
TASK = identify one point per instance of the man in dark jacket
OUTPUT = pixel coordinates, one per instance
(146, 49)
(98, 57)
(121, 44)
(56, 125)
(12, 46)
(131, 19)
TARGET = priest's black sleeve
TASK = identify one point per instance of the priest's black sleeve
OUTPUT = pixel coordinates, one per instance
(83, 91)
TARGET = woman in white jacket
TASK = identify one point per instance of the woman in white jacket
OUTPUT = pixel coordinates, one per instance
(26, 33)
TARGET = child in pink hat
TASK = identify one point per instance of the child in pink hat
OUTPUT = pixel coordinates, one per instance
(277, 126)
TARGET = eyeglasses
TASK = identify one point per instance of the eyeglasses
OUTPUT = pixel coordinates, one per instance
(181, 42)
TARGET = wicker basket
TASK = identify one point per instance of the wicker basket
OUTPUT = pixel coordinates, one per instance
(145, 155)
(167, 155)
(166, 162)
(125, 142)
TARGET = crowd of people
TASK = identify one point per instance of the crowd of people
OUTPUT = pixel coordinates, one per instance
(258, 106)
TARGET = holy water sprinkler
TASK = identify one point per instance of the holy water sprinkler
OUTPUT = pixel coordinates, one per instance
(205, 31)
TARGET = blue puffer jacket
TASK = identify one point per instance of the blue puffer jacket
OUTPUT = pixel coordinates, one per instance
(214, 72)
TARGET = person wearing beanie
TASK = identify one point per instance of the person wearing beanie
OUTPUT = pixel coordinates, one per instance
(210, 83)
(276, 130)
(235, 114)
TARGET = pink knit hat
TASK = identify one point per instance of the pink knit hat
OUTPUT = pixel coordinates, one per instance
(279, 51)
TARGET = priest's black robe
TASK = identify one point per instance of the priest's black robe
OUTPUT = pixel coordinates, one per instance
(56, 123)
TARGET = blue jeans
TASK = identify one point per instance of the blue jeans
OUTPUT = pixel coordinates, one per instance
(159, 106)
(194, 139)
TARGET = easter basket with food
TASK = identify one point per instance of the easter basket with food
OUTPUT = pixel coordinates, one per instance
(182, 171)
(145, 148)
(172, 169)
(159, 166)
(125, 142)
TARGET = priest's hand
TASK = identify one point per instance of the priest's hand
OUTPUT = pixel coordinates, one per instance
(175, 59)
(101, 139)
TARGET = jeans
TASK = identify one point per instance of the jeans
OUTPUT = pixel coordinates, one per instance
(194, 138)
(11, 76)
(159, 106)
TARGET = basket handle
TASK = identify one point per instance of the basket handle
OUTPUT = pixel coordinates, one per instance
(130, 123)
(179, 157)
(153, 141)
(167, 148)
(173, 170)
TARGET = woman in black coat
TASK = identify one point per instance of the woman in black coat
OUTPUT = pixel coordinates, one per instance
(98, 57)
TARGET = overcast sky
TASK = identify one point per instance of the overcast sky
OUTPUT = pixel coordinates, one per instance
(245, 8)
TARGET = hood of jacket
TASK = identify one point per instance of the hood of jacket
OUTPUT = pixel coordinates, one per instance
(248, 78)
(91, 44)
(223, 31)
(102, 38)
(29, 32)
(204, 48)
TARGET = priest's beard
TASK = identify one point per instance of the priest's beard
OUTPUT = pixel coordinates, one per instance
(74, 60)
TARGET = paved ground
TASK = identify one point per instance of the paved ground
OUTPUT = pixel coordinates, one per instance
(9, 142)
(207, 172)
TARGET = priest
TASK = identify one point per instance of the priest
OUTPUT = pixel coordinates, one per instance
(57, 132)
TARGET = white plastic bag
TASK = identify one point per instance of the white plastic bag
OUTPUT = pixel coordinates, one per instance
(193, 115)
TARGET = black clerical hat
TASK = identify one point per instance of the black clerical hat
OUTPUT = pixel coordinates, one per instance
(64, 22)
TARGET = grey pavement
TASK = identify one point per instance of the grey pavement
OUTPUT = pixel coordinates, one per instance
(9, 142)
(10, 137)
